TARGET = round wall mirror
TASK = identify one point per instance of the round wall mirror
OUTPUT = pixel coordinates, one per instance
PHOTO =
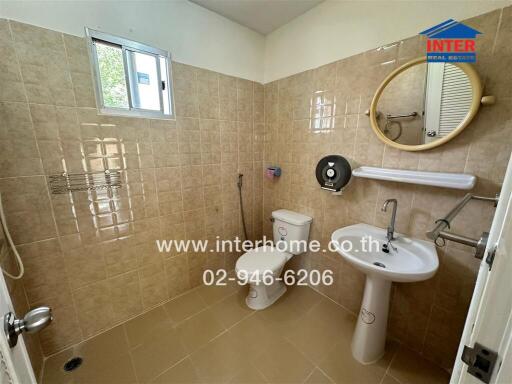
(422, 105)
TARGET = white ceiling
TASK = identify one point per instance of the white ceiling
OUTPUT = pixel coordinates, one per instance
(263, 16)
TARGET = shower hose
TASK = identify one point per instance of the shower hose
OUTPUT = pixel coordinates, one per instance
(3, 223)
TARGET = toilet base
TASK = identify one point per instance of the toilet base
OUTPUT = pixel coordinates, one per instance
(262, 296)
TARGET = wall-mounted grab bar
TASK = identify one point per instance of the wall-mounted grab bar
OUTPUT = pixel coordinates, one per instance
(393, 117)
(442, 224)
(403, 116)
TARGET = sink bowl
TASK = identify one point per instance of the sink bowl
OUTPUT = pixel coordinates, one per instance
(413, 260)
(406, 260)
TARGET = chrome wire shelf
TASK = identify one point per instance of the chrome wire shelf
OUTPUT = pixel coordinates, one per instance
(91, 181)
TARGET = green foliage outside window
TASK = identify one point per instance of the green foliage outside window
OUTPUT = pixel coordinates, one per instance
(112, 75)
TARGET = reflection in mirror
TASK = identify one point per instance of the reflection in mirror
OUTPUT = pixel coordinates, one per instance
(424, 103)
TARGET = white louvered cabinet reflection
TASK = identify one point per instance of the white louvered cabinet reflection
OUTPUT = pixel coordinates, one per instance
(447, 101)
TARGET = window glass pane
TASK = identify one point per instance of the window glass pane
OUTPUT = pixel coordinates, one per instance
(112, 76)
(164, 75)
(144, 81)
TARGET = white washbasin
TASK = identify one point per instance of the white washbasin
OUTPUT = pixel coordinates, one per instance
(414, 260)
(411, 260)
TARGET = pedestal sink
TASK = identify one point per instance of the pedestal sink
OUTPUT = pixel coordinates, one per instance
(407, 260)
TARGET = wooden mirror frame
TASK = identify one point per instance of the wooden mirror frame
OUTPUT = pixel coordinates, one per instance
(475, 104)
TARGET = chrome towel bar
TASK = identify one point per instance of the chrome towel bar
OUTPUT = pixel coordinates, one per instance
(442, 224)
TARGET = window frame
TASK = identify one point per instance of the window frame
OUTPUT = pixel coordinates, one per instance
(127, 46)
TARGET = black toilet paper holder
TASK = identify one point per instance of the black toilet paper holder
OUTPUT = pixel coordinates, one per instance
(333, 173)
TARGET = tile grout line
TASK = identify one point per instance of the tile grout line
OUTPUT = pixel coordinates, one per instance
(130, 349)
(104, 330)
(387, 372)
(333, 301)
(485, 80)
(174, 365)
(226, 330)
(162, 304)
(427, 328)
(394, 378)
(121, 322)
(326, 375)
(309, 375)
(132, 362)
(208, 306)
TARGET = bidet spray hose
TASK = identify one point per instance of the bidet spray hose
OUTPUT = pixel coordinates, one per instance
(240, 182)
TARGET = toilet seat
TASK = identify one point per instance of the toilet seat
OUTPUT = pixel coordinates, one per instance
(262, 259)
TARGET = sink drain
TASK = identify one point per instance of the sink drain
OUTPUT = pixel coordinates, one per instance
(73, 364)
(379, 264)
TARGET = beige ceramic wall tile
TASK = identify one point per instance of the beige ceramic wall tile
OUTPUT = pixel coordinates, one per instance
(185, 89)
(208, 94)
(65, 329)
(15, 121)
(18, 147)
(126, 296)
(12, 85)
(27, 197)
(245, 99)
(45, 274)
(44, 64)
(95, 307)
(21, 305)
(153, 285)
(176, 271)
(227, 98)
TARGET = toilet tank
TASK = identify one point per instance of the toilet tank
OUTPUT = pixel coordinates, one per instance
(291, 231)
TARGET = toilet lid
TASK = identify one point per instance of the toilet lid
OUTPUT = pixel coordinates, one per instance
(261, 259)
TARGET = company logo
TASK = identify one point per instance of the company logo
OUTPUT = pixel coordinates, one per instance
(451, 42)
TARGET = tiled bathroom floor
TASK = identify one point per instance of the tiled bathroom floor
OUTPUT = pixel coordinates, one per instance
(209, 335)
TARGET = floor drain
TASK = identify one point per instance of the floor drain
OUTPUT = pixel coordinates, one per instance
(379, 264)
(73, 364)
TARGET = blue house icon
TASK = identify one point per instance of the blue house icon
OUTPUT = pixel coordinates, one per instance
(451, 42)
(450, 29)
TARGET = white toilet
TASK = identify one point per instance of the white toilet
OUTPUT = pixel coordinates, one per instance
(288, 229)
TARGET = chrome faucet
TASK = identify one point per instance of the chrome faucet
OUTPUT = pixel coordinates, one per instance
(391, 227)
